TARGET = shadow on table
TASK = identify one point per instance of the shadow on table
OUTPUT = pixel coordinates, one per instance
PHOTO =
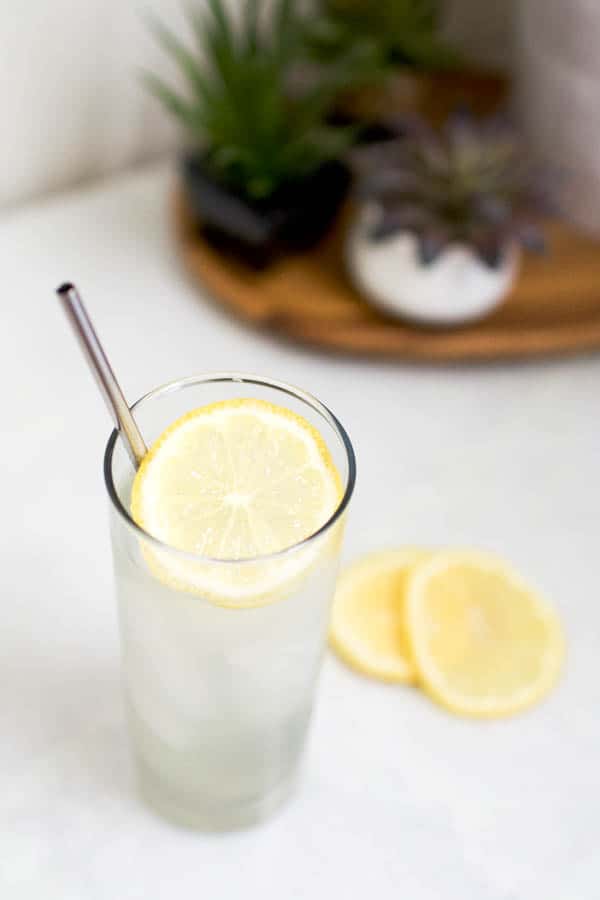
(63, 730)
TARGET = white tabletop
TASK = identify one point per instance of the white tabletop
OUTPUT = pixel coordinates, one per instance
(399, 799)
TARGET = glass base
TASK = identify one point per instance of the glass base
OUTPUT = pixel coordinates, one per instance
(206, 816)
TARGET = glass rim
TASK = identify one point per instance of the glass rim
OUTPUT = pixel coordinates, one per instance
(234, 378)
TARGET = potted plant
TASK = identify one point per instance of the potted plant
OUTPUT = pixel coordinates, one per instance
(406, 66)
(389, 33)
(262, 172)
(442, 215)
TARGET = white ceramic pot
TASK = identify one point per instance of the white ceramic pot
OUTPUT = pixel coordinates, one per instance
(456, 288)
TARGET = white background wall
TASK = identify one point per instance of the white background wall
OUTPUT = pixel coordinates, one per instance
(71, 100)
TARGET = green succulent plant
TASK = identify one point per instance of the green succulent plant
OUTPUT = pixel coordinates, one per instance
(249, 109)
(382, 33)
(471, 183)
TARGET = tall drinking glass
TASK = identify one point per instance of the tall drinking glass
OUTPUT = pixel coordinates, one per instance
(219, 697)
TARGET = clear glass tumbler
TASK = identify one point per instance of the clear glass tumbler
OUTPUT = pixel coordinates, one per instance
(219, 699)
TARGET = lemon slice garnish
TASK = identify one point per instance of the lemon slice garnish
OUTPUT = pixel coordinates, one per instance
(484, 643)
(236, 480)
(367, 625)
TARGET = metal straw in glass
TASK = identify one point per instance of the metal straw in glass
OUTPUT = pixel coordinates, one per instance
(103, 372)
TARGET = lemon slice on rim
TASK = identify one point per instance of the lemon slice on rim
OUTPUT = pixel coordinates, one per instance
(483, 641)
(235, 480)
(367, 624)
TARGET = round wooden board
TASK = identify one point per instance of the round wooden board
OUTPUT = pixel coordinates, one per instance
(554, 309)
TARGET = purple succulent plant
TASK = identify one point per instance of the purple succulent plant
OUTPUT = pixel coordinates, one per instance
(470, 182)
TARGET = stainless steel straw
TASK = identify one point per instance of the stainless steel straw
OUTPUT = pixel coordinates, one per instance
(102, 369)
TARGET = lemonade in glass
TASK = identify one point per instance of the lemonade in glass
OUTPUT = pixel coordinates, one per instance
(226, 544)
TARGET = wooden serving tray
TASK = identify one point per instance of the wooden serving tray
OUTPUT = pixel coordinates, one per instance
(554, 308)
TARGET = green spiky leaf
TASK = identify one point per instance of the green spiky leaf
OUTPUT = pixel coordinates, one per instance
(385, 34)
(249, 104)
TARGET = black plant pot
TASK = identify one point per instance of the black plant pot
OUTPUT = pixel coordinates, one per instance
(295, 218)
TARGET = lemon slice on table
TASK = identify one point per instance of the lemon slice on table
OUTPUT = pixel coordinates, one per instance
(367, 625)
(483, 642)
(235, 480)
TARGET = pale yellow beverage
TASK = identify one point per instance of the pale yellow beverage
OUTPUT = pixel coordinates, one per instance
(226, 549)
